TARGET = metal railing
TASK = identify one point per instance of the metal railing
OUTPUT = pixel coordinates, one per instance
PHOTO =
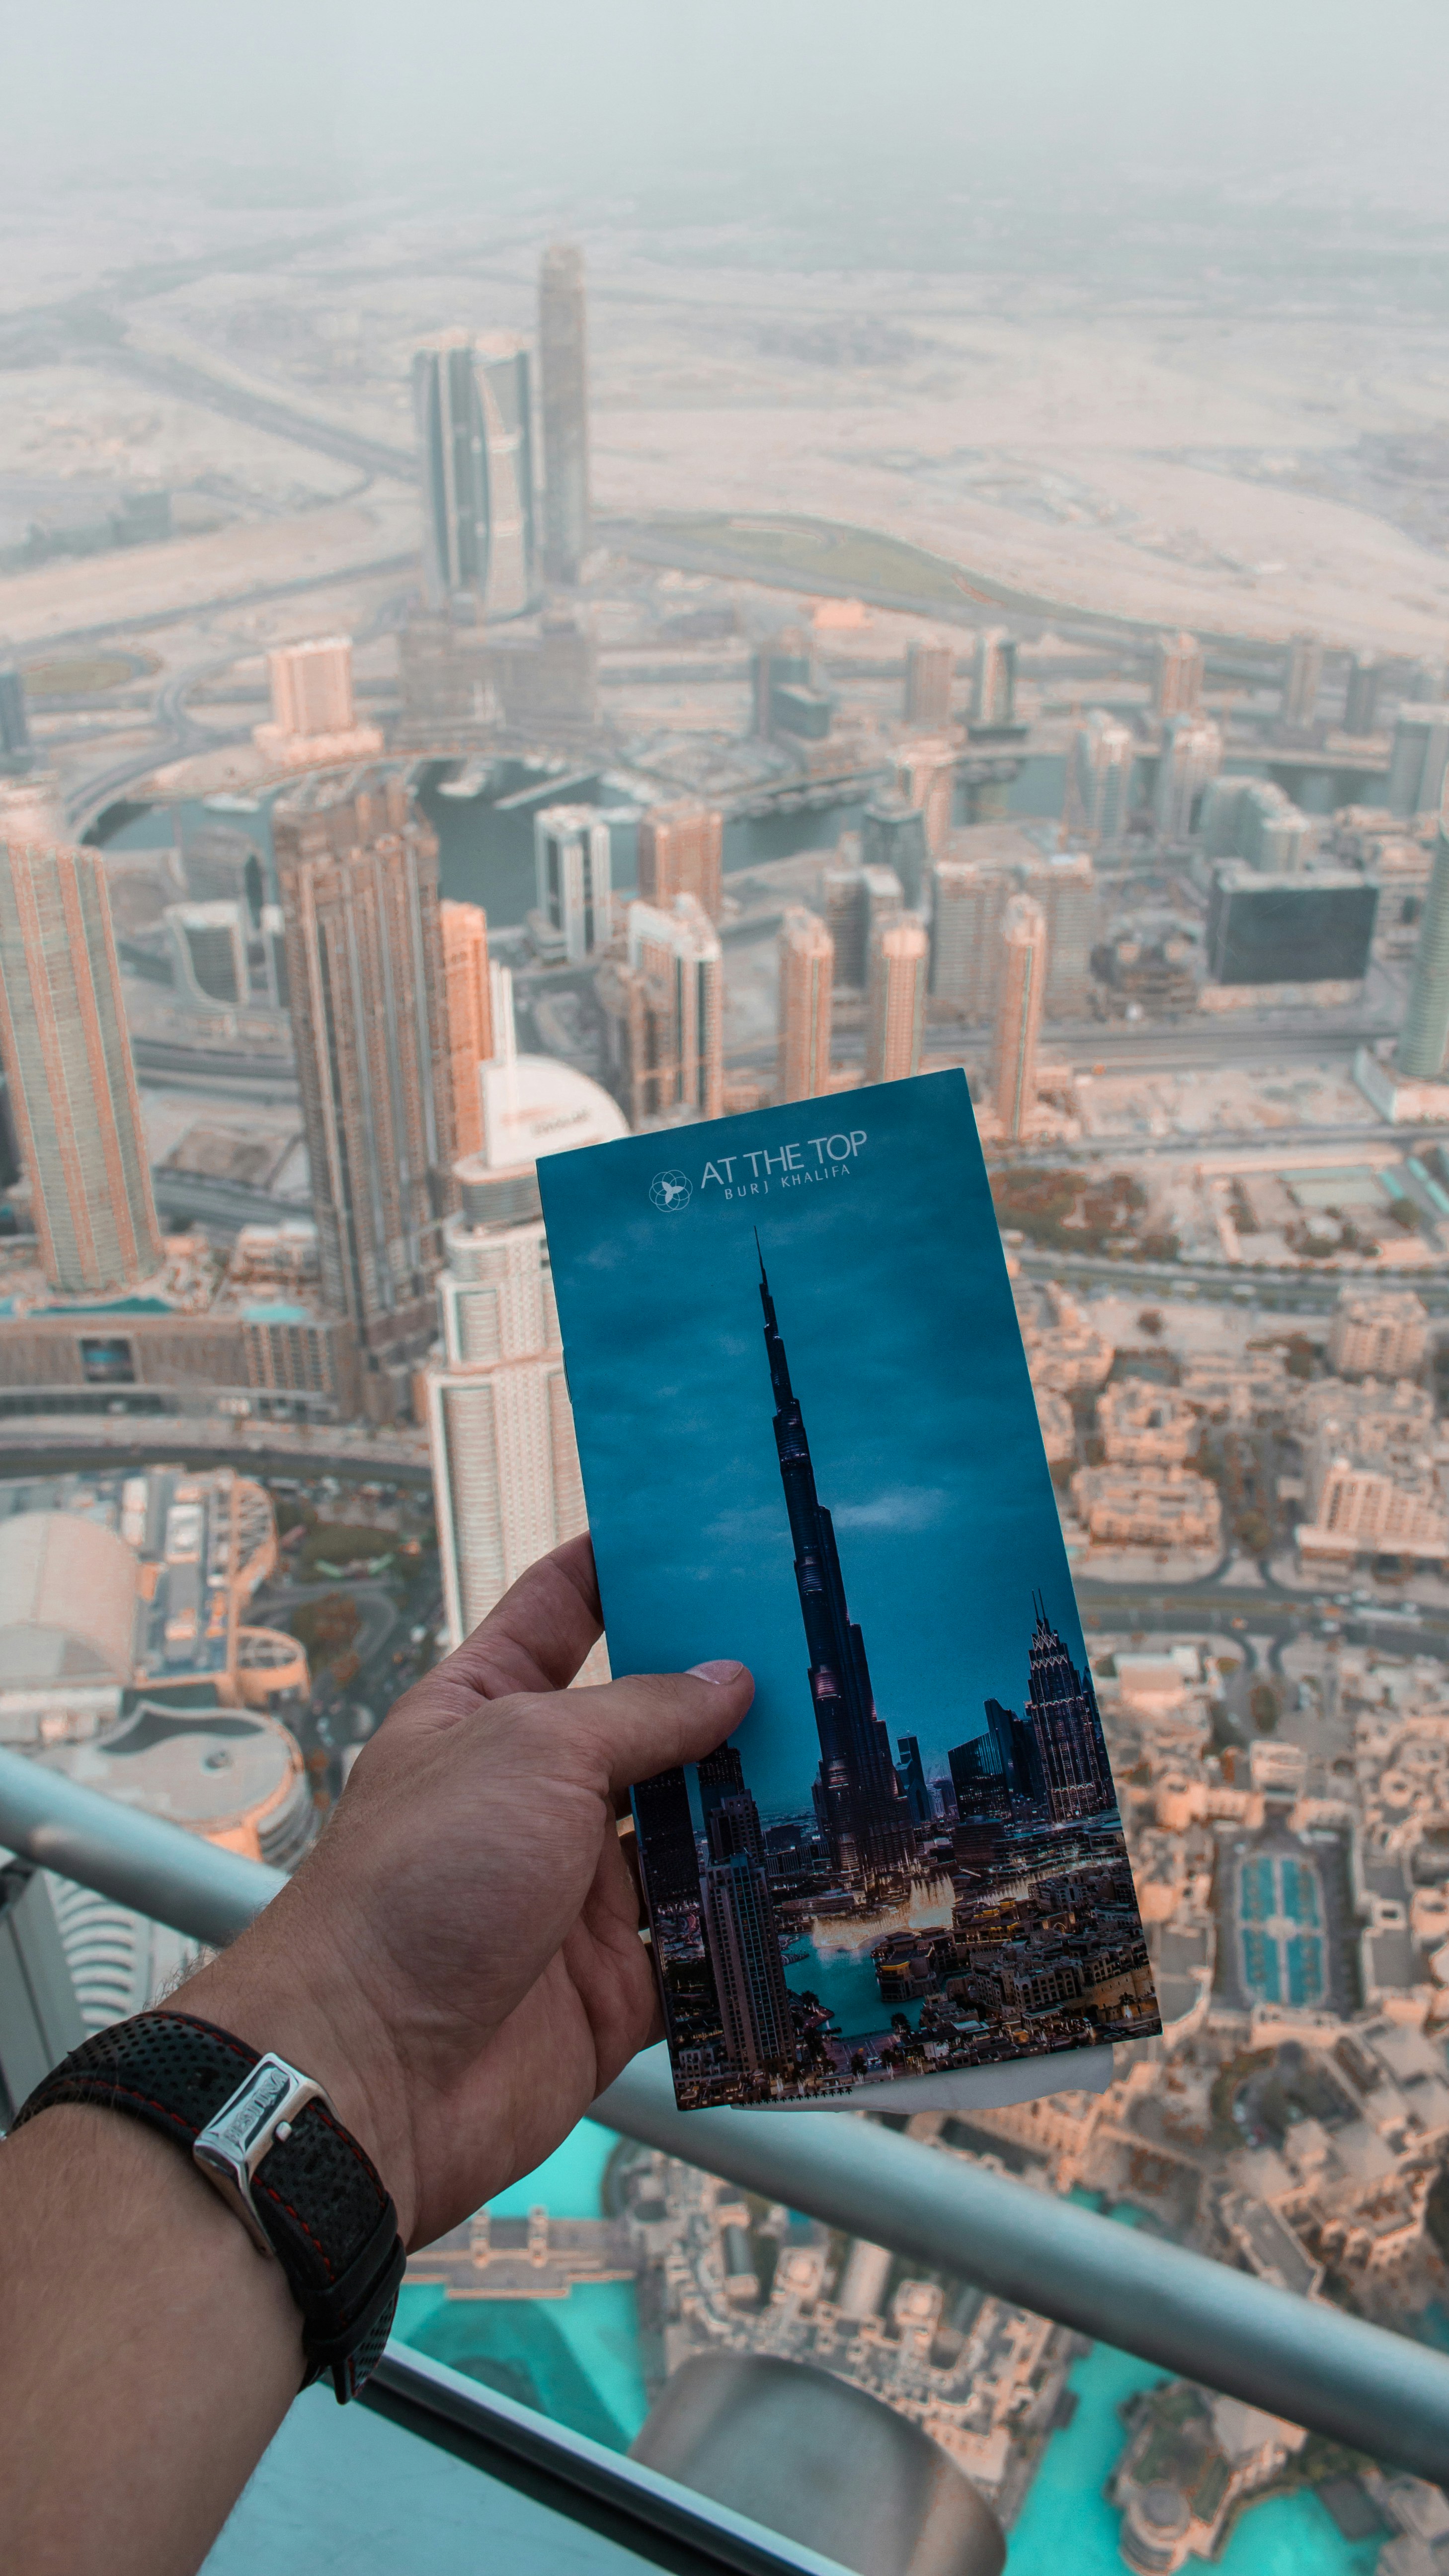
(1360, 2384)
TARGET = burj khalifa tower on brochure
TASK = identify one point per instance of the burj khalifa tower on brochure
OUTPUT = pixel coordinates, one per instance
(858, 1797)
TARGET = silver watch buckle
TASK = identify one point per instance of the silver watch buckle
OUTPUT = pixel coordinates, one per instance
(233, 2143)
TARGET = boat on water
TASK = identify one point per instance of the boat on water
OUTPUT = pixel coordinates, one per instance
(470, 782)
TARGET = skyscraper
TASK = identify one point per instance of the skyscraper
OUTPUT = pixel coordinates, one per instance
(786, 698)
(1064, 883)
(681, 849)
(564, 403)
(911, 1773)
(969, 899)
(930, 673)
(893, 835)
(1192, 755)
(926, 778)
(900, 967)
(859, 1797)
(1177, 675)
(1103, 754)
(993, 691)
(1302, 679)
(663, 1005)
(572, 849)
(1419, 758)
(734, 1825)
(720, 1775)
(505, 1465)
(1018, 1020)
(845, 902)
(468, 1014)
(1424, 1040)
(1361, 695)
(474, 410)
(506, 1478)
(359, 887)
(668, 1853)
(69, 1076)
(16, 750)
(807, 969)
(1075, 1771)
(743, 1943)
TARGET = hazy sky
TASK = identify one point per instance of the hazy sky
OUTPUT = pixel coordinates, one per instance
(559, 92)
(897, 1318)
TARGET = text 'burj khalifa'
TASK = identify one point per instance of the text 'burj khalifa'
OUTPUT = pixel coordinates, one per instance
(858, 1796)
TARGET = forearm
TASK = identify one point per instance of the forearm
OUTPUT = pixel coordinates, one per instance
(148, 2352)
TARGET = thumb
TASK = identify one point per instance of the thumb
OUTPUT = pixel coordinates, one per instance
(649, 1722)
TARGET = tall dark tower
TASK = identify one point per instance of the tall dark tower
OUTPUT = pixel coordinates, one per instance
(1063, 1704)
(858, 1795)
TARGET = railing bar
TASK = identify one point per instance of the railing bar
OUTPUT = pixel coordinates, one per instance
(713, 2531)
(1358, 2383)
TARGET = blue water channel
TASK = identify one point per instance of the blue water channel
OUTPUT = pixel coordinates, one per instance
(577, 2360)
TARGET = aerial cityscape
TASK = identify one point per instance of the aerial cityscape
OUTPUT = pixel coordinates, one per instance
(493, 665)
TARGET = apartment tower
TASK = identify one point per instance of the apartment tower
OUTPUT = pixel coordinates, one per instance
(1018, 1021)
(1192, 755)
(69, 1075)
(993, 690)
(1177, 675)
(665, 1007)
(564, 406)
(1102, 756)
(573, 855)
(359, 885)
(807, 973)
(681, 851)
(468, 1013)
(900, 965)
(1302, 679)
(969, 898)
(506, 1478)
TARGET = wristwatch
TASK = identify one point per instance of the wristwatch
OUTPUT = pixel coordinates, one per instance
(267, 2138)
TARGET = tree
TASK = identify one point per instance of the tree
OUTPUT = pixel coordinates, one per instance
(1263, 1707)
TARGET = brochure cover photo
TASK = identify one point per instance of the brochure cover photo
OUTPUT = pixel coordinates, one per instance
(808, 1439)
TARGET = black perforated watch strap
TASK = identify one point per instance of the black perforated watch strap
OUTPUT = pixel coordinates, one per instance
(321, 2202)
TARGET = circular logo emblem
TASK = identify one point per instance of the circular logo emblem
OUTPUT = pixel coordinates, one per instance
(671, 1190)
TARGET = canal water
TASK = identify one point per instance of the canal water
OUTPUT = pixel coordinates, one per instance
(485, 852)
(576, 2359)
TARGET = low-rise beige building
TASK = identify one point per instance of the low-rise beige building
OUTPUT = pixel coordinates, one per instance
(1145, 1425)
(1379, 1332)
(1154, 1507)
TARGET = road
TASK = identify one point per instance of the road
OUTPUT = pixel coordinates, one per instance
(59, 1445)
(196, 1198)
(271, 413)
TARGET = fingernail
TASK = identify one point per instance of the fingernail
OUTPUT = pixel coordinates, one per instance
(724, 1671)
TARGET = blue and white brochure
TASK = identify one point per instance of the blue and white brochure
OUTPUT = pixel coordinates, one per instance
(808, 1439)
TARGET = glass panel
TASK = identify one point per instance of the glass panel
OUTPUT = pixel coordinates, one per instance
(343, 2485)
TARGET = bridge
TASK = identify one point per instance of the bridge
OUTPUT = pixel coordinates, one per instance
(537, 2257)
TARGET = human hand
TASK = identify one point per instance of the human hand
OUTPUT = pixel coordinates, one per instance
(458, 1960)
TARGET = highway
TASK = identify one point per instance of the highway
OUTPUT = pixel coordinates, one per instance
(273, 414)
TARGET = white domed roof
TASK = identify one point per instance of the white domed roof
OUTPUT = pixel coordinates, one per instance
(536, 1105)
(67, 1601)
